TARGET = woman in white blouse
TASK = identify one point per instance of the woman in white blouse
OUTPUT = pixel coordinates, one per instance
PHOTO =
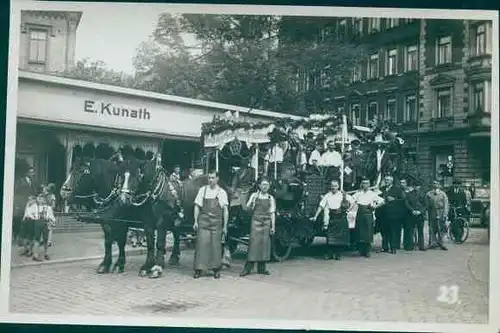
(366, 201)
(334, 206)
(263, 209)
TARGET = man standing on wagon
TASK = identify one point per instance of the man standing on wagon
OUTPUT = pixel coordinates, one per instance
(211, 214)
(263, 208)
(334, 206)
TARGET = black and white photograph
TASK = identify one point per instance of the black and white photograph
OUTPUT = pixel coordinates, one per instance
(233, 166)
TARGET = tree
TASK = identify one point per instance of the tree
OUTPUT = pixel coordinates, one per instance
(253, 61)
(97, 71)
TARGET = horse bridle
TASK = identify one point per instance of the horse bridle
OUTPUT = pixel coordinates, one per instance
(95, 196)
(157, 183)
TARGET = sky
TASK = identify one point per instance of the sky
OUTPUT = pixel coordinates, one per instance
(114, 37)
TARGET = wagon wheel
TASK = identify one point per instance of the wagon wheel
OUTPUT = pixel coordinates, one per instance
(306, 242)
(281, 249)
(232, 245)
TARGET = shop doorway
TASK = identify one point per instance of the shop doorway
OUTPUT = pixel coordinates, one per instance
(182, 153)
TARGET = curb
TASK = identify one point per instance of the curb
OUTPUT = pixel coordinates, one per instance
(132, 252)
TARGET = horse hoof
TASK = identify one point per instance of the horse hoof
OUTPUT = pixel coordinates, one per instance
(143, 273)
(155, 275)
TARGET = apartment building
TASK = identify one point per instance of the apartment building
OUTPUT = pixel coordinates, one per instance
(433, 79)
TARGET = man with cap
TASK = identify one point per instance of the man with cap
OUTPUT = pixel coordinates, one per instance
(456, 196)
(331, 160)
(392, 216)
(415, 202)
(438, 208)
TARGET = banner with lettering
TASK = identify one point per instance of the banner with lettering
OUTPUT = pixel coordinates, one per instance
(248, 136)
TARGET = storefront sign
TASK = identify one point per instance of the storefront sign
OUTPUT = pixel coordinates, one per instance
(84, 106)
(110, 109)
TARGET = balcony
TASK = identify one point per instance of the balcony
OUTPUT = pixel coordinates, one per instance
(479, 120)
(479, 67)
(441, 124)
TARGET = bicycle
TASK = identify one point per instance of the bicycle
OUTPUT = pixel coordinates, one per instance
(458, 228)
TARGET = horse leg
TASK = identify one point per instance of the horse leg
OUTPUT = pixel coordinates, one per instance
(121, 239)
(176, 248)
(157, 269)
(150, 244)
(104, 266)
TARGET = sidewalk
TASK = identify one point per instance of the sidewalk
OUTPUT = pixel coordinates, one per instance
(75, 246)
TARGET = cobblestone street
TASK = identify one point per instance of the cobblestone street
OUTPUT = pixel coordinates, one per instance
(385, 287)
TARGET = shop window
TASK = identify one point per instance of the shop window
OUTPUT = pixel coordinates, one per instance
(38, 46)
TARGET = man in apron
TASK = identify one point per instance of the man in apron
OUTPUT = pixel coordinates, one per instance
(263, 208)
(211, 214)
(367, 201)
(334, 206)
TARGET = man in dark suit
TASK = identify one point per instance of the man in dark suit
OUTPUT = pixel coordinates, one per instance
(456, 195)
(393, 213)
(23, 189)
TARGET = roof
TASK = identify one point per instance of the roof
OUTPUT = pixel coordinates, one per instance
(74, 15)
(58, 80)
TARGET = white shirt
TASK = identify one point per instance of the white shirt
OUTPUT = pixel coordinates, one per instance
(208, 193)
(34, 211)
(315, 155)
(331, 158)
(259, 195)
(333, 201)
(276, 154)
(367, 198)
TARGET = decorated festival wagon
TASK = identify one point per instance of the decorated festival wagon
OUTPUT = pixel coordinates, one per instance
(302, 157)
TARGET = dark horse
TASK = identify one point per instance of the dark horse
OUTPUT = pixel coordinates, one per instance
(94, 183)
(162, 204)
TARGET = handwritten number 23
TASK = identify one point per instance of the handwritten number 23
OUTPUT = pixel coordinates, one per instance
(448, 294)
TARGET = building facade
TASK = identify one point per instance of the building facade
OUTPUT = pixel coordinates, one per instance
(48, 40)
(59, 118)
(433, 79)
